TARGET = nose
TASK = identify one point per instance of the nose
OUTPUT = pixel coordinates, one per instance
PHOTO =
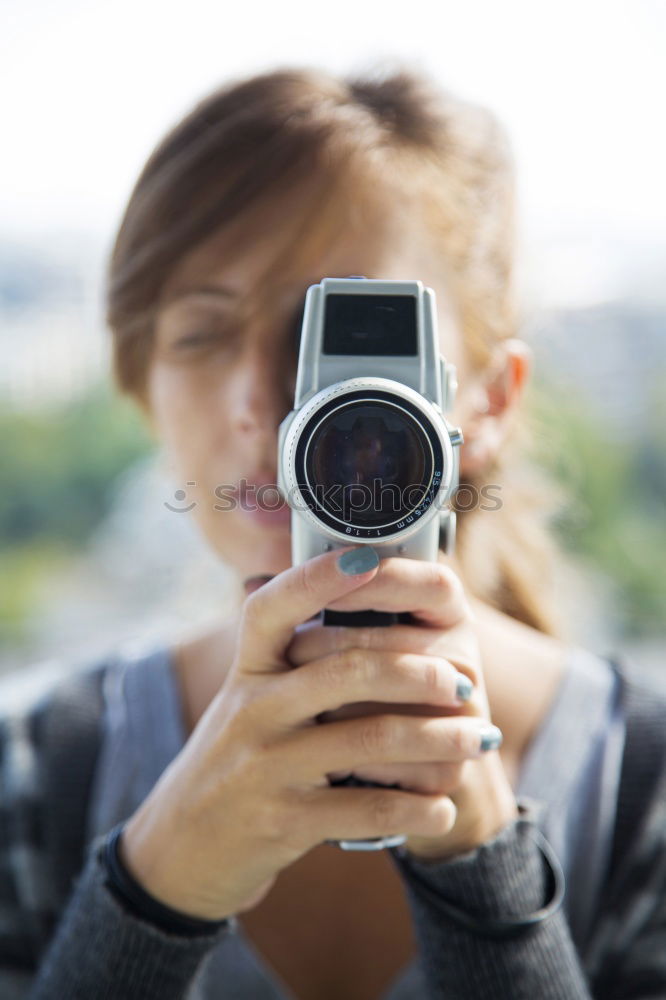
(261, 392)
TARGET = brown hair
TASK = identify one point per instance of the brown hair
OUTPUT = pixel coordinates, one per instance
(257, 138)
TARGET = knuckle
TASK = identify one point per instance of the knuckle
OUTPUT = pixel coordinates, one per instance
(442, 577)
(243, 710)
(450, 813)
(357, 663)
(412, 672)
(386, 811)
(457, 589)
(450, 588)
(444, 814)
(432, 679)
(375, 735)
(248, 772)
(274, 817)
(252, 609)
(268, 706)
(365, 637)
(306, 578)
(296, 838)
(329, 672)
(463, 742)
(231, 718)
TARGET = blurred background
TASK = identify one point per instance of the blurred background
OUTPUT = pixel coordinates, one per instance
(91, 557)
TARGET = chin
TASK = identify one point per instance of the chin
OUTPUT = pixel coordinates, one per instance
(261, 555)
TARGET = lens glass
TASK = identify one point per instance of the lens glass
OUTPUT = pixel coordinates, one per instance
(369, 463)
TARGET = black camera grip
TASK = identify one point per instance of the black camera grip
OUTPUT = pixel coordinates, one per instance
(359, 619)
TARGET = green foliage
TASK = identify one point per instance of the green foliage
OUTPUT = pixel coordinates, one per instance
(615, 517)
(26, 570)
(58, 468)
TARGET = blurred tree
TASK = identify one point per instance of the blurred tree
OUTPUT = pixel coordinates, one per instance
(615, 515)
(58, 467)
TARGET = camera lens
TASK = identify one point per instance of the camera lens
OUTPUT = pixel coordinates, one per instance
(368, 463)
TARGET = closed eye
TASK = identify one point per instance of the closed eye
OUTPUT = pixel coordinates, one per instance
(201, 338)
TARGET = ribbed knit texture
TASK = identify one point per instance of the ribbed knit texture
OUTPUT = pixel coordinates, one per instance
(102, 951)
(504, 877)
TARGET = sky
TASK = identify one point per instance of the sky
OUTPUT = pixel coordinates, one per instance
(89, 88)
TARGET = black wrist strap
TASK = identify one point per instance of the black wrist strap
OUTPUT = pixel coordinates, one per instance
(504, 927)
(135, 898)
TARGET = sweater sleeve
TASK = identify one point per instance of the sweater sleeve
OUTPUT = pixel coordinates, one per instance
(505, 877)
(100, 949)
(63, 933)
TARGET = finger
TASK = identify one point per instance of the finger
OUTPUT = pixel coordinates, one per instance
(366, 813)
(431, 591)
(383, 739)
(253, 583)
(272, 612)
(357, 675)
(426, 778)
(313, 641)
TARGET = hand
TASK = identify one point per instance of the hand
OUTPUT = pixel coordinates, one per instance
(439, 646)
(248, 794)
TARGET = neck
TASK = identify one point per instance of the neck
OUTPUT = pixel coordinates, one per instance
(522, 669)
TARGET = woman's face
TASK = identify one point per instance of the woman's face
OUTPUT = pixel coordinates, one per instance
(223, 369)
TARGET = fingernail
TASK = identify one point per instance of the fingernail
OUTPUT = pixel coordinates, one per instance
(358, 561)
(491, 738)
(464, 687)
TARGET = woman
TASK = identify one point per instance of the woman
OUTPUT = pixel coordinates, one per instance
(189, 790)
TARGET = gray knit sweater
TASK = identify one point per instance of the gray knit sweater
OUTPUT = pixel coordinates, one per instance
(63, 934)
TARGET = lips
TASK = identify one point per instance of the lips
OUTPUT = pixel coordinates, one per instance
(253, 583)
(259, 490)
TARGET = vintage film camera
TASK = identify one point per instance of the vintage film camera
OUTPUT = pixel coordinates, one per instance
(367, 454)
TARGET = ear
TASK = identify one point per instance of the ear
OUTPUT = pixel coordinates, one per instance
(497, 393)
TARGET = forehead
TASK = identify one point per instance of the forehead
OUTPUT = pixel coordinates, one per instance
(270, 256)
(286, 235)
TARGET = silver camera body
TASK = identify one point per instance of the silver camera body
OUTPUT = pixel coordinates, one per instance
(371, 393)
(372, 390)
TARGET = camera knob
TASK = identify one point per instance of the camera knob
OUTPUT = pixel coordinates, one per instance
(456, 436)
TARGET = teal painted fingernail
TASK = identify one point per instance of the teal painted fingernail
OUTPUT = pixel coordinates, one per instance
(358, 560)
(464, 687)
(491, 738)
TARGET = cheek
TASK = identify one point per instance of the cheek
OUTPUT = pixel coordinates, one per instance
(179, 417)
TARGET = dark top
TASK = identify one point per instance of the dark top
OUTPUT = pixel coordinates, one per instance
(61, 937)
